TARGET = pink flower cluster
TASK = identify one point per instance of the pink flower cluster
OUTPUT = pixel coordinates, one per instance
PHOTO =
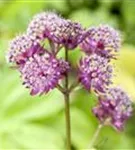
(41, 69)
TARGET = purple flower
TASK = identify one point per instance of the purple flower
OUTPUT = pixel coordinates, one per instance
(68, 33)
(42, 24)
(18, 46)
(41, 73)
(59, 30)
(103, 40)
(114, 108)
(95, 73)
(63, 66)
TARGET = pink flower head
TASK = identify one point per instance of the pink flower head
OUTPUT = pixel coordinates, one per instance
(95, 73)
(41, 73)
(59, 30)
(103, 40)
(68, 33)
(114, 108)
(42, 24)
(19, 45)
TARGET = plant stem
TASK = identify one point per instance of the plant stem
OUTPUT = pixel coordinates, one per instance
(60, 88)
(95, 136)
(67, 115)
(52, 46)
(73, 86)
(67, 107)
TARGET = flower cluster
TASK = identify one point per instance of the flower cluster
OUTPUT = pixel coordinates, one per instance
(57, 29)
(100, 46)
(95, 73)
(19, 45)
(41, 69)
(114, 108)
(42, 73)
(102, 40)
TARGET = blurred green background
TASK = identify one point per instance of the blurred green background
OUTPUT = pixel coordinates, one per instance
(34, 123)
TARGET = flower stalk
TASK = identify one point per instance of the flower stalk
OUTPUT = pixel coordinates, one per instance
(67, 106)
(94, 139)
(67, 117)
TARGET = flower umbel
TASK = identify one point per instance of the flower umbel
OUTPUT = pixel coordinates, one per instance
(68, 33)
(95, 73)
(18, 46)
(59, 30)
(42, 24)
(42, 73)
(114, 108)
(103, 40)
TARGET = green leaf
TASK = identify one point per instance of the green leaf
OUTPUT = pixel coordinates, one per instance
(28, 136)
(19, 112)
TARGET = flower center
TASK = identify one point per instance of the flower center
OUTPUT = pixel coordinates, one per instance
(100, 45)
